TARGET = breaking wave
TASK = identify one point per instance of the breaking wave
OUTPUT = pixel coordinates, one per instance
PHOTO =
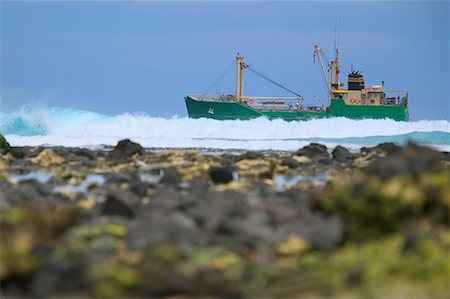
(70, 127)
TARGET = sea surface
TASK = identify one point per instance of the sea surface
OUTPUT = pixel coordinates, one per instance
(79, 128)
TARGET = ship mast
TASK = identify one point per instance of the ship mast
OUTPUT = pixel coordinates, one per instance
(335, 69)
(240, 67)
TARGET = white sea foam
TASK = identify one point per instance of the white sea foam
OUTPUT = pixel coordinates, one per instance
(70, 127)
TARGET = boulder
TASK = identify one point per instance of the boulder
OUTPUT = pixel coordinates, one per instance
(126, 148)
(220, 175)
(386, 147)
(341, 154)
(115, 205)
(316, 152)
(250, 155)
(412, 159)
(290, 162)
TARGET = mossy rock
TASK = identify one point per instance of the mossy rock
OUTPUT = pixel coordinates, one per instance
(380, 268)
(372, 207)
(4, 145)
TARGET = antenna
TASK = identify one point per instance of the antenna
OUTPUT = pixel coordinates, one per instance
(339, 33)
(335, 29)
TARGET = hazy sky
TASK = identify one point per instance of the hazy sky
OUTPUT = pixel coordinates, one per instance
(116, 57)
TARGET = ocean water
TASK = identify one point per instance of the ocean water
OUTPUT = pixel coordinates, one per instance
(78, 128)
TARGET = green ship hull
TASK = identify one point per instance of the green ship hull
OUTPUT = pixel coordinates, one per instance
(338, 108)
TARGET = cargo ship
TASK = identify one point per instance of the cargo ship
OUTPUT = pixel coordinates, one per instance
(356, 101)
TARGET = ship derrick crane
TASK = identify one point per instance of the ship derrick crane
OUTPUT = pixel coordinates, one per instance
(333, 68)
(317, 52)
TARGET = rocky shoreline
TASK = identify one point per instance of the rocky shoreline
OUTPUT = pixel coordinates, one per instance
(184, 223)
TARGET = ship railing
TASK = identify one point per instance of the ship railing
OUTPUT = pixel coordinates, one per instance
(285, 108)
(220, 98)
(273, 98)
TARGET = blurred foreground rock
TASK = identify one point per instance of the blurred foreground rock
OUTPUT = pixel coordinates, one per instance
(82, 223)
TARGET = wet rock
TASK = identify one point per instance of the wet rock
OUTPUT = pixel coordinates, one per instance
(250, 155)
(126, 148)
(341, 154)
(290, 162)
(220, 175)
(116, 205)
(171, 176)
(315, 151)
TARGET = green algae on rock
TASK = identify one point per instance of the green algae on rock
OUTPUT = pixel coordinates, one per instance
(4, 145)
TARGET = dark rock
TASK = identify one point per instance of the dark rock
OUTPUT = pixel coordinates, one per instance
(413, 159)
(315, 151)
(18, 152)
(163, 229)
(213, 208)
(126, 148)
(446, 156)
(341, 154)
(220, 175)
(4, 203)
(44, 283)
(250, 155)
(164, 200)
(171, 176)
(115, 205)
(41, 189)
(32, 191)
(199, 183)
(140, 188)
(291, 162)
(387, 147)
(227, 160)
(281, 212)
(323, 232)
(86, 153)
